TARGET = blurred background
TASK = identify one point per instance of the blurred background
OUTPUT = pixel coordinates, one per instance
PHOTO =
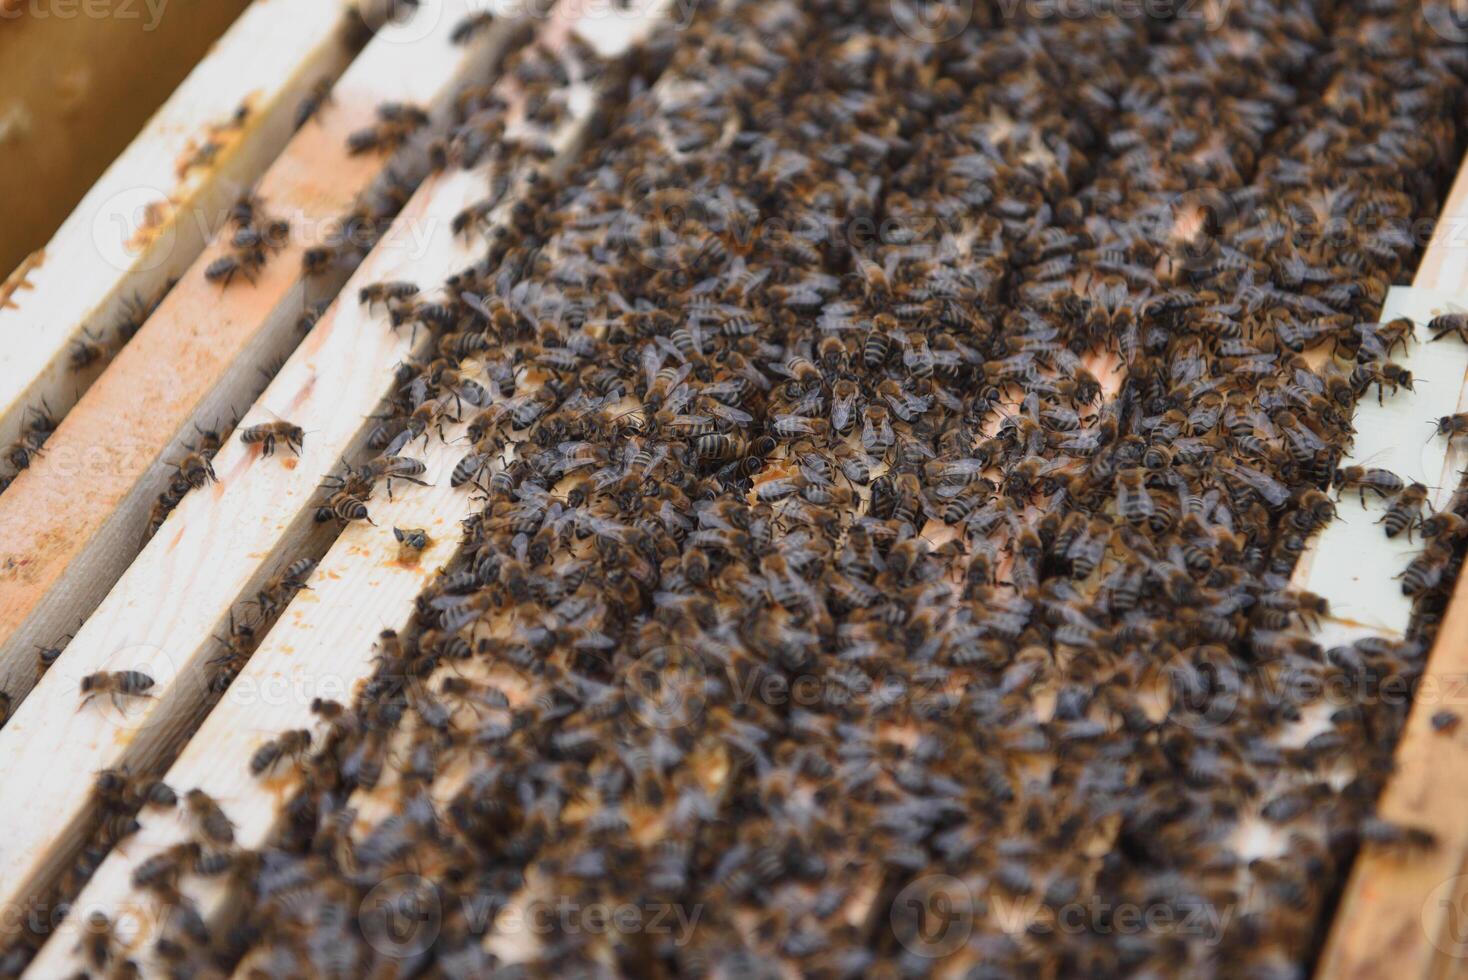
(72, 97)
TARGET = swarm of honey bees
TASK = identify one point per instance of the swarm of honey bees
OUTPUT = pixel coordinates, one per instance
(894, 451)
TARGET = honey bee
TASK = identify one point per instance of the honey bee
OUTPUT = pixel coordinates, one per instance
(317, 261)
(1381, 482)
(1445, 324)
(386, 292)
(1405, 510)
(1452, 425)
(345, 506)
(86, 350)
(391, 468)
(266, 434)
(223, 269)
(281, 588)
(117, 684)
(98, 944)
(212, 823)
(316, 98)
(396, 123)
(291, 745)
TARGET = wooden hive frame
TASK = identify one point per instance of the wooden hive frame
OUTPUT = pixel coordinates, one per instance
(88, 495)
(343, 369)
(1400, 915)
(71, 546)
(149, 215)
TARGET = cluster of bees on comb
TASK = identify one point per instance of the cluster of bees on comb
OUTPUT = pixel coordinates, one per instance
(893, 454)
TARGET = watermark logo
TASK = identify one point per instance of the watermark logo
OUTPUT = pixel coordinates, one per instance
(933, 916)
(932, 21)
(149, 13)
(665, 688)
(401, 917)
(1445, 917)
(1448, 18)
(131, 230)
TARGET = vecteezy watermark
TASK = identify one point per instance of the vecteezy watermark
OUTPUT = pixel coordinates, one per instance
(1448, 18)
(149, 12)
(934, 916)
(402, 917)
(668, 687)
(1444, 917)
(932, 21)
(935, 21)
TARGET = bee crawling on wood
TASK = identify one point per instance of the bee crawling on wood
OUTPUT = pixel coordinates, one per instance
(266, 434)
(396, 122)
(117, 684)
(390, 467)
(215, 827)
(99, 942)
(315, 100)
(1425, 573)
(86, 350)
(386, 292)
(1405, 510)
(237, 644)
(1455, 324)
(1381, 482)
(292, 745)
(1451, 426)
(223, 269)
(280, 589)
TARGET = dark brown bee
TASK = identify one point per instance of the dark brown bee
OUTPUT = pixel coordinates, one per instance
(266, 434)
(345, 506)
(1444, 324)
(319, 96)
(1405, 510)
(386, 292)
(390, 468)
(1381, 482)
(160, 873)
(471, 25)
(1445, 524)
(117, 684)
(86, 350)
(98, 943)
(196, 469)
(210, 819)
(1452, 425)
(243, 212)
(396, 123)
(291, 745)
(1425, 572)
(223, 269)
